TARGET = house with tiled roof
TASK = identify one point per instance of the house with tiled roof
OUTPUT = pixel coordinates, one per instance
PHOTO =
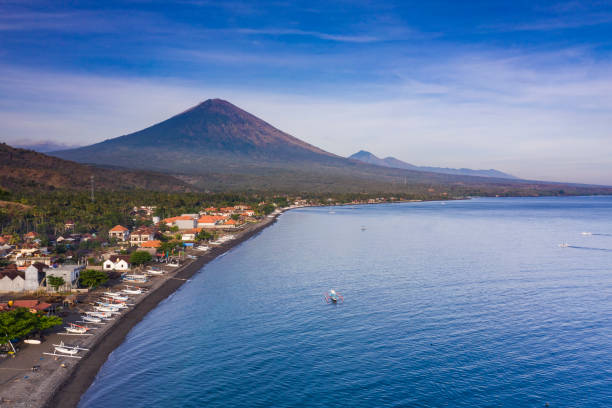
(30, 236)
(119, 232)
(142, 235)
(210, 221)
(229, 224)
(190, 235)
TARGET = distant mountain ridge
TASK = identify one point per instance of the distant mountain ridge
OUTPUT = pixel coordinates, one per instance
(367, 157)
(44, 146)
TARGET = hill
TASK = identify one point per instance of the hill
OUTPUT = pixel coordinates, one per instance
(27, 169)
(367, 157)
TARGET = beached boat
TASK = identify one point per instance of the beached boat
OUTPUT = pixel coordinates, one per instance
(91, 319)
(31, 341)
(155, 271)
(76, 329)
(130, 290)
(135, 278)
(116, 296)
(61, 348)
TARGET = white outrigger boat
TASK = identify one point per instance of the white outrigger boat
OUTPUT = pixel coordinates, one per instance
(76, 330)
(155, 271)
(109, 303)
(135, 278)
(174, 263)
(91, 319)
(116, 296)
(100, 315)
(105, 309)
(65, 351)
(132, 290)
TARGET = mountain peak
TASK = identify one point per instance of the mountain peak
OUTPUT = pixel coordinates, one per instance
(214, 129)
(368, 157)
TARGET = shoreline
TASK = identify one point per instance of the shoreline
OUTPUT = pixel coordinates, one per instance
(78, 380)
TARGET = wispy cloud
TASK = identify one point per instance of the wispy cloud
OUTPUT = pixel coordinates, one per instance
(323, 36)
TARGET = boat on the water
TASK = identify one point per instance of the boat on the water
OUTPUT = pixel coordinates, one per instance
(333, 297)
(564, 245)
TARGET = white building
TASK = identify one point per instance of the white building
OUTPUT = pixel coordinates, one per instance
(70, 274)
(117, 263)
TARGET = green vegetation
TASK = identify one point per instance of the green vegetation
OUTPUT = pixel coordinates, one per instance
(140, 257)
(169, 247)
(55, 282)
(19, 322)
(92, 278)
(205, 235)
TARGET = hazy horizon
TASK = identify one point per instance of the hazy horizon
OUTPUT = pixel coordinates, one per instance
(523, 88)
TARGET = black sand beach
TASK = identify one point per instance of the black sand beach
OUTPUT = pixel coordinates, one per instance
(80, 378)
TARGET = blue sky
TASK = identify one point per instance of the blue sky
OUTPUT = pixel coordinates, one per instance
(521, 86)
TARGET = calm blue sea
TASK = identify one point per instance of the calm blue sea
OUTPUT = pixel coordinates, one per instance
(457, 304)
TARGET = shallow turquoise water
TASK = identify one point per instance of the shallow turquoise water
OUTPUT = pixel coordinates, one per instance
(461, 304)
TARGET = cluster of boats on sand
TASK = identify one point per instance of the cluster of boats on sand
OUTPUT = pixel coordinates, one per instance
(106, 308)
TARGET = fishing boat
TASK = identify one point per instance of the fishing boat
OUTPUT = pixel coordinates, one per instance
(61, 348)
(91, 319)
(107, 309)
(76, 329)
(116, 296)
(100, 315)
(333, 297)
(155, 271)
(135, 278)
(131, 290)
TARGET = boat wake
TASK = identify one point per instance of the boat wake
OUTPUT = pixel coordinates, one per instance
(589, 248)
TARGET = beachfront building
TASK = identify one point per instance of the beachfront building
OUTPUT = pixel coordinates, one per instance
(14, 279)
(117, 263)
(230, 224)
(119, 232)
(190, 235)
(209, 221)
(183, 222)
(142, 235)
(151, 246)
(70, 274)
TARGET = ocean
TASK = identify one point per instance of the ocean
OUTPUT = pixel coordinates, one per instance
(468, 303)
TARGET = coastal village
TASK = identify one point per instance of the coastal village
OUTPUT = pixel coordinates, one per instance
(61, 294)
